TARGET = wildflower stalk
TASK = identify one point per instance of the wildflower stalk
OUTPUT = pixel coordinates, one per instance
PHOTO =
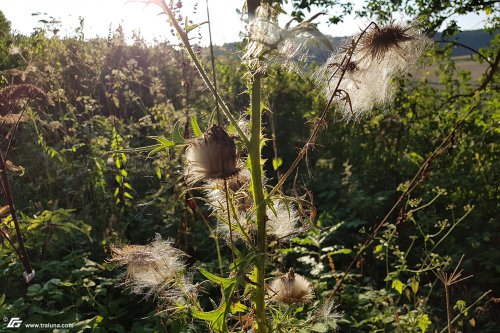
(212, 61)
(466, 310)
(315, 131)
(8, 196)
(417, 179)
(231, 241)
(187, 45)
(448, 309)
(254, 153)
(215, 236)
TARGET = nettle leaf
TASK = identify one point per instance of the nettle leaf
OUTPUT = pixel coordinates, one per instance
(340, 251)
(196, 128)
(423, 322)
(414, 285)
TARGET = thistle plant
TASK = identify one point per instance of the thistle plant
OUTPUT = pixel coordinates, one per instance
(251, 213)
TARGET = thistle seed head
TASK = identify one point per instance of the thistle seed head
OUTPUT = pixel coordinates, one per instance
(377, 41)
(329, 315)
(151, 268)
(381, 54)
(282, 45)
(282, 220)
(291, 288)
(239, 191)
(212, 156)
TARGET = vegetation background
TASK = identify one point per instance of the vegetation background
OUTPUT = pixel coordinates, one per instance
(74, 198)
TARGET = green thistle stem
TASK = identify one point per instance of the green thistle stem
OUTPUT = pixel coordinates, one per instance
(254, 152)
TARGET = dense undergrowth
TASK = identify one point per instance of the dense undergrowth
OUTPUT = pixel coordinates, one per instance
(83, 187)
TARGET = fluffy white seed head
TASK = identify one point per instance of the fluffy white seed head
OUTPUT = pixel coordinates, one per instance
(329, 316)
(381, 54)
(154, 269)
(282, 45)
(291, 288)
(240, 204)
(212, 156)
(282, 220)
(362, 87)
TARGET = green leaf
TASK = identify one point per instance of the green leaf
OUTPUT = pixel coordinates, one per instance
(163, 141)
(196, 128)
(189, 27)
(224, 282)
(277, 162)
(163, 144)
(398, 286)
(340, 251)
(214, 318)
(238, 307)
(414, 285)
(177, 134)
(423, 322)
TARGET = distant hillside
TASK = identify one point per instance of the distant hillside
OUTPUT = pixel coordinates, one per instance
(474, 39)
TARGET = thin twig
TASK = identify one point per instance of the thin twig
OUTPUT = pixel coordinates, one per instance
(417, 179)
(312, 138)
(457, 317)
(231, 240)
(489, 73)
(212, 59)
(8, 197)
(454, 42)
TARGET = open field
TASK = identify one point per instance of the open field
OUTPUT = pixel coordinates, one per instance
(463, 63)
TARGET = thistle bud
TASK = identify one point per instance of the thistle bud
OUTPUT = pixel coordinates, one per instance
(212, 156)
(291, 288)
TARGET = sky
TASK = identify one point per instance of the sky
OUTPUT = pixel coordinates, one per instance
(102, 15)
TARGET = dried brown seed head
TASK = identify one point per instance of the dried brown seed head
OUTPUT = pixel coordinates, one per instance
(211, 157)
(10, 96)
(377, 41)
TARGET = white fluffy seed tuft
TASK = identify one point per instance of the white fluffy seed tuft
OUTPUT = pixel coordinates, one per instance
(291, 288)
(156, 269)
(382, 54)
(282, 220)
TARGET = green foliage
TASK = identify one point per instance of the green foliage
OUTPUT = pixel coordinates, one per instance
(90, 182)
